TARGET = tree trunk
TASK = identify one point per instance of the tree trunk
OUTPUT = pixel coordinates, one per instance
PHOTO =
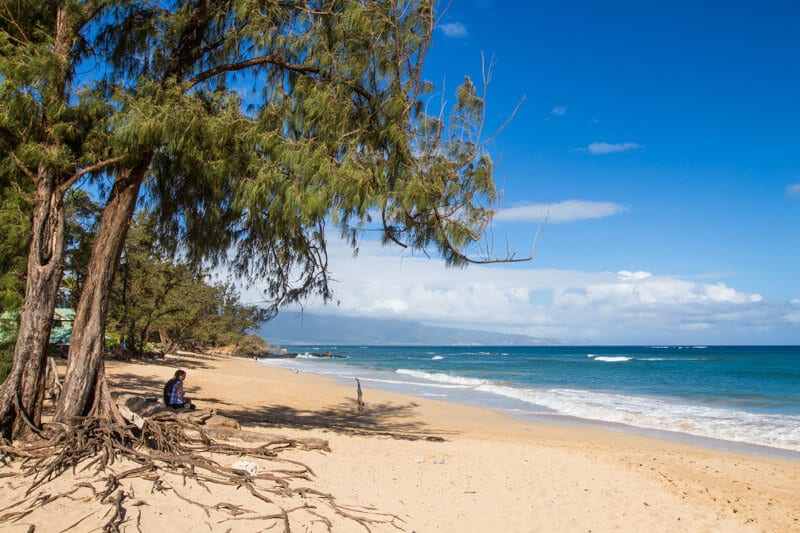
(22, 393)
(131, 335)
(84, 390)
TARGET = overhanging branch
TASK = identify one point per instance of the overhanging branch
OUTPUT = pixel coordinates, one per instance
(87, 170)
(271, 59)
(25, 170)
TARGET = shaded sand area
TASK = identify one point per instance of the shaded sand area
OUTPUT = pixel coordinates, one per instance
(414, 464)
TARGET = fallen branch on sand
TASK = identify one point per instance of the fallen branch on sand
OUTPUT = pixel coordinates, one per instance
(171, 451)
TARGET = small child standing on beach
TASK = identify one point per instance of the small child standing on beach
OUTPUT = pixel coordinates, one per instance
(360, 395)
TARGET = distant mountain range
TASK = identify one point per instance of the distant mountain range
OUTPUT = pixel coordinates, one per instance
(310, 328)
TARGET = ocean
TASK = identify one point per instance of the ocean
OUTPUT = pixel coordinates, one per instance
(739, 398)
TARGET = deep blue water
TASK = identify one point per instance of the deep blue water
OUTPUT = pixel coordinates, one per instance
(736, 394)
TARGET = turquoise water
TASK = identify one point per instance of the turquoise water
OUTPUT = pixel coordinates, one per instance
(747, 395)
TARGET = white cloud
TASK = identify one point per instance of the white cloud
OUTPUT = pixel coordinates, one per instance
(793, 190)
(609, 148)
(627, 275)
(559, 111)
(455, 30)
(625, 307)
(793, 315)
(560, 212)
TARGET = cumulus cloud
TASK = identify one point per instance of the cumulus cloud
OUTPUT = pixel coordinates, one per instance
(611, 148)
(627, 274)
(559, 111)
(560, 212)
(455, 30)
(793, 315)
(793, 190)
(625, 307)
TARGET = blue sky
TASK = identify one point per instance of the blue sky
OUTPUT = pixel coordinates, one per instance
(663, 139)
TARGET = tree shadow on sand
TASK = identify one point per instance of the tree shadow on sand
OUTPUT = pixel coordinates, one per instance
(383, 419)
(173, 361)
(143, 386)
(138, 385)
(154, 388)
(386, 419)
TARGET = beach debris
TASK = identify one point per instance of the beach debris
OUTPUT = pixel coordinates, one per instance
(359, 395)
(247, 466)
(131, 417)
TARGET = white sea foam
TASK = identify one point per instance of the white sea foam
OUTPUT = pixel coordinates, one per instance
(778, 431)
(415, 383)
(443, 378)
(437, 358)
(591, 355)
(614, 359)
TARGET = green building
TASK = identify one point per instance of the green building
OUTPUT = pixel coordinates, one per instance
(59, 334)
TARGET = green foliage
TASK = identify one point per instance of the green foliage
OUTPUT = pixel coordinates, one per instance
(259, 124)
(49, 119)
(252, 345)
(8, 337)
(294, 116)
(6, 359)
(112, 340)
(157, 300)
(82, 214)
(14, 239)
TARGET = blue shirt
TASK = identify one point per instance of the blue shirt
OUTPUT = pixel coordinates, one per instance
(176, 396)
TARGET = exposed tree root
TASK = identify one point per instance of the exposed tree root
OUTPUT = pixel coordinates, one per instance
(169, 452)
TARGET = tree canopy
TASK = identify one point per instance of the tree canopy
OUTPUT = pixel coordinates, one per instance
(253, 126)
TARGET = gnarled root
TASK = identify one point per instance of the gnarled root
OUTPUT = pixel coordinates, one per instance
(94, 462)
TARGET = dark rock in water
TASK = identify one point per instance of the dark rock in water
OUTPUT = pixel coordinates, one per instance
(328, 354)
(270, 355)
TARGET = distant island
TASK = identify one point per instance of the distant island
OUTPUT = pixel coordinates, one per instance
(292, 327)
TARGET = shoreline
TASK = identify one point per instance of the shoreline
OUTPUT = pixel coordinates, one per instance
(453, 467)
(677, 437)
(517, 409)
(707, 443)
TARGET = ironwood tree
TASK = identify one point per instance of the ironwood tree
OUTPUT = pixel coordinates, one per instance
(51, 136)
(254, 125)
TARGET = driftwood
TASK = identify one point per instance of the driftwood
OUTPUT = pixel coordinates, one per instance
(158, 442)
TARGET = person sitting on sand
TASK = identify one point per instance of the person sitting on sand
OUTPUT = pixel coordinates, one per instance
(173, 392)
(360, 395)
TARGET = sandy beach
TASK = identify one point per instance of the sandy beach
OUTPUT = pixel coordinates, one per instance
(420, 465)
